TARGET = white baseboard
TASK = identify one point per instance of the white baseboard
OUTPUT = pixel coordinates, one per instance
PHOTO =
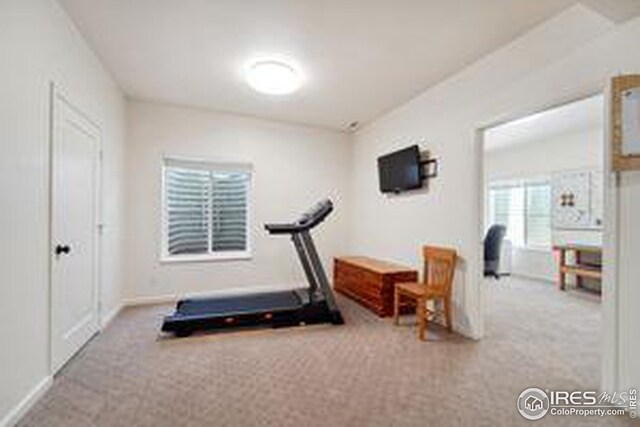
(36, 393)
(151, 300)
(533, 277)
(466, 331)
(108, 318)
(25, 404)
(169, 298)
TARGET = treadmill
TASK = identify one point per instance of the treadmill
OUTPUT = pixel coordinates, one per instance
(311, 305)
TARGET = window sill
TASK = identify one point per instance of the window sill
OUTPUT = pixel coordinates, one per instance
(534, 248)
(220, 257)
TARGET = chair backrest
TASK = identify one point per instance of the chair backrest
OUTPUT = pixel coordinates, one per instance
(439, 267)
(493, 242)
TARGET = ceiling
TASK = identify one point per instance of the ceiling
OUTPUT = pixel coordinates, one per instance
(575, 117)
(360, 58)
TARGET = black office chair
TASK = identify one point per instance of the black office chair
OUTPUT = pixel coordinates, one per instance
(492, 247)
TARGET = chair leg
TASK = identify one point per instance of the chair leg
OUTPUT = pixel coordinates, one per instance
(447, 313)
(396, 307)
(421, 315)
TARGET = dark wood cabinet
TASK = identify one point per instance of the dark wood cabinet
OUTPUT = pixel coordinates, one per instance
(370, 282)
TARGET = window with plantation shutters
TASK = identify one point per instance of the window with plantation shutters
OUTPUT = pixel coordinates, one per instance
(524, 208)
(205, 210)
(538, 217)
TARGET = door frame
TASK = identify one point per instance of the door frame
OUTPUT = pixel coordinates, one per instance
(610, 328)
(56, 93)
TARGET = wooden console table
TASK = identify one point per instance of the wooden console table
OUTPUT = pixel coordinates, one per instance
(580, 268)
(370, 282)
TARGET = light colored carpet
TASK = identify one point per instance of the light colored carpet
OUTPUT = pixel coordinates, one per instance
(365, 373)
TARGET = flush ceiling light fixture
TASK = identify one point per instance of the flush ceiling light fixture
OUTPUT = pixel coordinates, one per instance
(273, 77)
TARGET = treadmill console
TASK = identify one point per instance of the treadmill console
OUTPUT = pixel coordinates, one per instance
(307, 221)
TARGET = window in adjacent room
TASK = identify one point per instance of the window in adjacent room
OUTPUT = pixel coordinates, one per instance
(205, 210)
(525, 209)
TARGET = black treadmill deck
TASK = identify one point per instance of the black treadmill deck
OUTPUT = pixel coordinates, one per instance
(277, 309)
(241, 304)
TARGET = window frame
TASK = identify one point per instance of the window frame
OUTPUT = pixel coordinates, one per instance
(527, 245)
(524, 183)
(210, 256)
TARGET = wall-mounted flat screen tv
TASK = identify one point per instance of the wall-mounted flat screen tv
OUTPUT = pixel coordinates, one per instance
(400, 171)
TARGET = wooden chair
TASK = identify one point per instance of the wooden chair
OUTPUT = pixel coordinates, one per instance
(439, 268)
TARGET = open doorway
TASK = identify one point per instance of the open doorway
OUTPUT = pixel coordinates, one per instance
(544, 223)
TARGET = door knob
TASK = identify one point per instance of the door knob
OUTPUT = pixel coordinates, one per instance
(62, 249)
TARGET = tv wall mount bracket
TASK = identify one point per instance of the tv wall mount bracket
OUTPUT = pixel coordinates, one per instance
(429, 168)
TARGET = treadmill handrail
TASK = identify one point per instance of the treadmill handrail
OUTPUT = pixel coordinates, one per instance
(307, 221)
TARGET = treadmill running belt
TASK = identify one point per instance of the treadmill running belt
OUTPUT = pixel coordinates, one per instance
(239, 304)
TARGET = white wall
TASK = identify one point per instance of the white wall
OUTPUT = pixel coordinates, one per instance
(582, 149)
(565, 58)
(576, 150)
(293, 167)
(38, 44)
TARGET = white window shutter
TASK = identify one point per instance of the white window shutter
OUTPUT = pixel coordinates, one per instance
(538, 215)
(507, 208)
(229, 211)
(187, 210)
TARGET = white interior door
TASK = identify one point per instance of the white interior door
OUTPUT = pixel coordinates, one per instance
(74, 230)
